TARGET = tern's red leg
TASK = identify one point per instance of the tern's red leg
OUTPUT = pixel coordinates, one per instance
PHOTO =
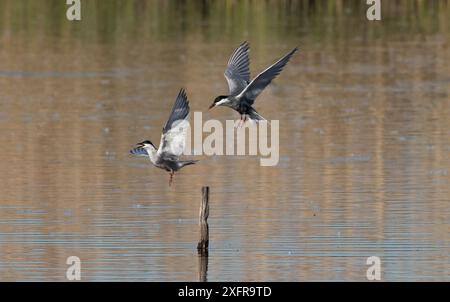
(240, 122)
(171, 178)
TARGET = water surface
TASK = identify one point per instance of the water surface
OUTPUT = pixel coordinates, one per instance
(364, 141)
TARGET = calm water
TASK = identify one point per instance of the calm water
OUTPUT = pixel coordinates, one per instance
(364, 142)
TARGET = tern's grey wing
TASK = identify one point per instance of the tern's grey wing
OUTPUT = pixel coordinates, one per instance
(264, 78)
(139, 151)
(173, 139)
(238, 69)
(180, 110)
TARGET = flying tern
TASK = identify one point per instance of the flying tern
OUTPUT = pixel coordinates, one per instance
(243, 92)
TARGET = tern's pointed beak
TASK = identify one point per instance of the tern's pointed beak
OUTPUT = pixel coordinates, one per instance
(212, 106)
(139, 145)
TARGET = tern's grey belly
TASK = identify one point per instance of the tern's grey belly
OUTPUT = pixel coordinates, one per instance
(168, 165)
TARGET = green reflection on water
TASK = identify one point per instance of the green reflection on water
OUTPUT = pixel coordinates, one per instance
(235, 20)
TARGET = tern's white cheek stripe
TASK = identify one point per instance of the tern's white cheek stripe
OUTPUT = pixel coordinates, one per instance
(221, 102)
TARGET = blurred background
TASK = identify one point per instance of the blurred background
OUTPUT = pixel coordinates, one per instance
(364, 141)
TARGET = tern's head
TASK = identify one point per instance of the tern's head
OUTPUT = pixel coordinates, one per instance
(146, 145)
(218, 101)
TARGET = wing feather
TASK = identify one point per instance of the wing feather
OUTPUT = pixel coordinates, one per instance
(180, 110)
(139, 151)
(238, 69)
(264, 78)
(173, 138)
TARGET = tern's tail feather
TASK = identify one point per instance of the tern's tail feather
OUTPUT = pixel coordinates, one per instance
(186, 163)
(253, 115)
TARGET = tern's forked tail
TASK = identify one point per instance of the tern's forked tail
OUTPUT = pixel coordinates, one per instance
(186, 163)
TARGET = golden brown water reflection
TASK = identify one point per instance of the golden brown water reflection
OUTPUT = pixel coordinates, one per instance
(364, 142)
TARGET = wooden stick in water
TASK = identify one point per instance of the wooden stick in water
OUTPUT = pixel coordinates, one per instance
(203, 243)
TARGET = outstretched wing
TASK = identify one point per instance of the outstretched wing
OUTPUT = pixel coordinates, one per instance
(238, 69)
(173, 138)
(264, 78)
(139, 151)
